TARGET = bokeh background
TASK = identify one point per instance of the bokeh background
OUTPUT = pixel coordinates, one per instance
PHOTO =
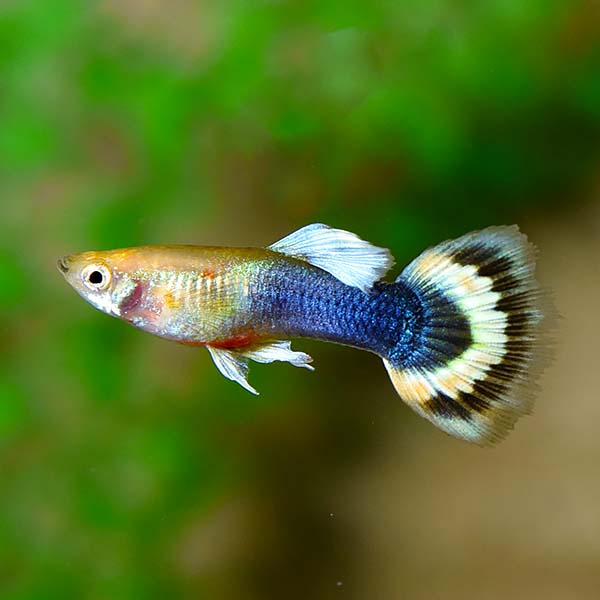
(129, 468)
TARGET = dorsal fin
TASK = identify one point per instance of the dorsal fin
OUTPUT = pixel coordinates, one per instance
(353, 261)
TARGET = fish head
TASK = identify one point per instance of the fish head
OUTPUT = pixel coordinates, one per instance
(96, 277)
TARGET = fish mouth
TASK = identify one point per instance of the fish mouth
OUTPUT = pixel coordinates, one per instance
(63, 265)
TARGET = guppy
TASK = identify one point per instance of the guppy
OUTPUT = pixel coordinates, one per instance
(460, 331)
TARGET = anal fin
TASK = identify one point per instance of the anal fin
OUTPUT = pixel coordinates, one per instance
(233, 363)
(277, 350)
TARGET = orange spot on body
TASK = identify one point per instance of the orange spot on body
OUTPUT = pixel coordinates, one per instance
(170, 301)
(189, 343)
(238, 341)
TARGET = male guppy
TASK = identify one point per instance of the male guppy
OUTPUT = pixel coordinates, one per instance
(460, 331)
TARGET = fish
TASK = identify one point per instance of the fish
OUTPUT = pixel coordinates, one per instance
(462, 330)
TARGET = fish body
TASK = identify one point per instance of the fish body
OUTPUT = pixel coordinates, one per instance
(458, 330)
(230, 297)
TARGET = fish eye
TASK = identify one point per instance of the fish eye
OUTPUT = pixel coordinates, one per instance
(96, 277)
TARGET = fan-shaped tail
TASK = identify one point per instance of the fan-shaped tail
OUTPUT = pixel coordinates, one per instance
(473, 370)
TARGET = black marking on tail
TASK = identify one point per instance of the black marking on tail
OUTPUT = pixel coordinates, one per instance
(485, 258)
(448, 408)
(479, 399)
(481, 344)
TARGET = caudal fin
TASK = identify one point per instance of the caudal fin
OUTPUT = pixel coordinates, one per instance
(472, 366)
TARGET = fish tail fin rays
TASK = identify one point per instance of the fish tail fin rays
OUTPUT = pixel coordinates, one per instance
(472, 367)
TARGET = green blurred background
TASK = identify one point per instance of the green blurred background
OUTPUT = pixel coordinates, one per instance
(129, 468)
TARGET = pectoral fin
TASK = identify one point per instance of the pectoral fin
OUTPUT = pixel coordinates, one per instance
(233, 364)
